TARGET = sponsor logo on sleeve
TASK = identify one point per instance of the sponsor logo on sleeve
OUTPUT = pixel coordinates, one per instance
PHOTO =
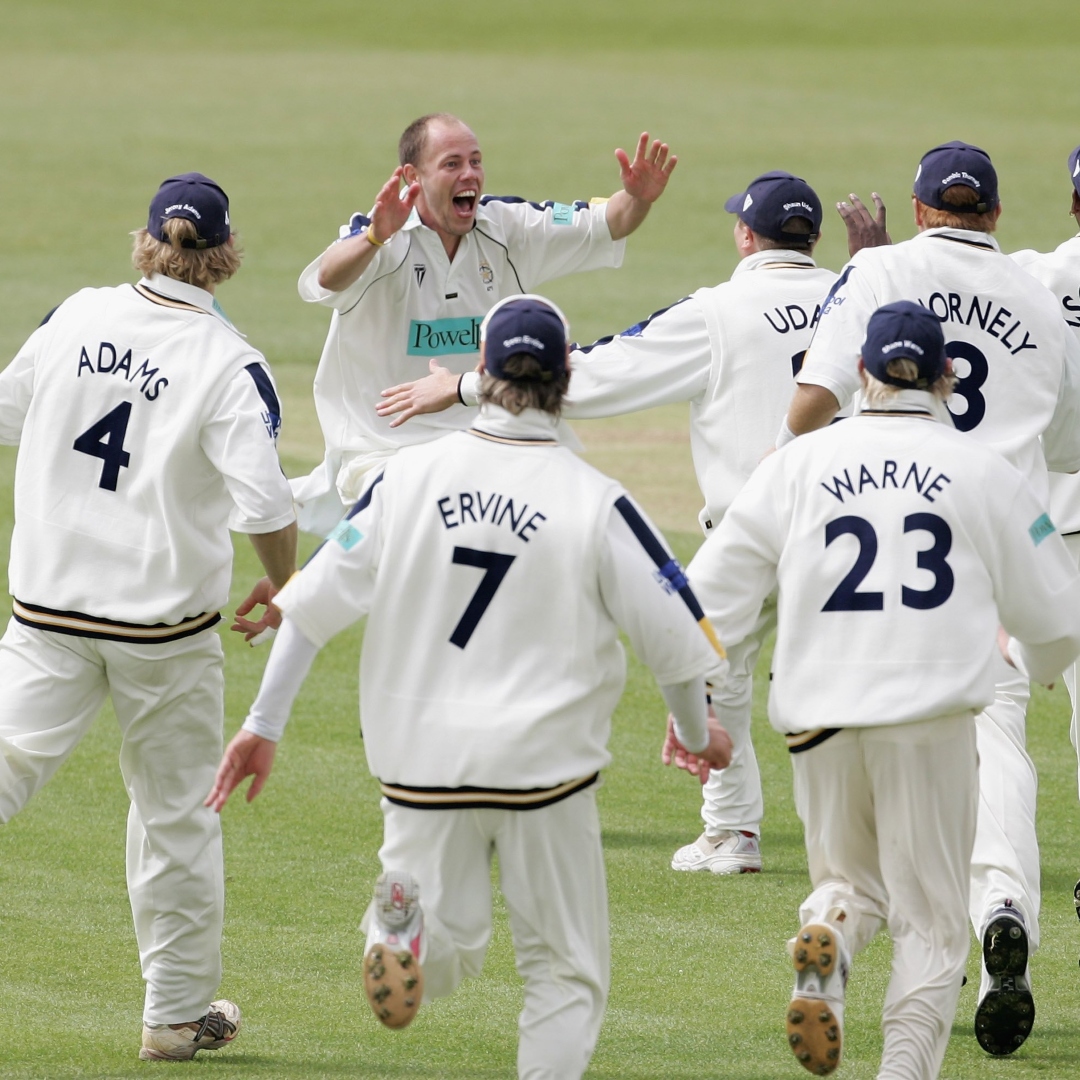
(562, 214)
(346, 534)
(1040, 529)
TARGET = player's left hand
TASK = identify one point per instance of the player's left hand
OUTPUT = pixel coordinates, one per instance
(864, 231)
(647, 175)
(431, 394)
(262, 595)
(717, 755)
(246, 755)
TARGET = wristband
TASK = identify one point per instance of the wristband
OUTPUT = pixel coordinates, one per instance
(784, 435)
(371, 239)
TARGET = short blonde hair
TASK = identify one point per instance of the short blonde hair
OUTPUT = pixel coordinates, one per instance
(958, 195)
(876, 392)
(526, 388)
(201, 267)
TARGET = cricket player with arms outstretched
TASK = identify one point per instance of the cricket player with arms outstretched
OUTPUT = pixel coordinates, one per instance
(411, 280)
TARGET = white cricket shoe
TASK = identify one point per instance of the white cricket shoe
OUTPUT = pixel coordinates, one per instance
(732, 852)
(1006, 1009)
(181, 1042)
(815, 1015)
(393, 979)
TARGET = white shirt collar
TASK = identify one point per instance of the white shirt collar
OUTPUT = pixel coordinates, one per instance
(771, 257)
(913, 401)
(532, 424)
(966, 236)
(188, 294)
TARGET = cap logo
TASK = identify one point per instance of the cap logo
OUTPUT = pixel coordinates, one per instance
(904, 344)
(748, 201)
(185, 206)
(801, 205)
(1076, 171)
(523, 339)
(960, 178)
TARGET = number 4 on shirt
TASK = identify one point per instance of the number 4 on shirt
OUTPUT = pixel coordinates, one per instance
(105, 440)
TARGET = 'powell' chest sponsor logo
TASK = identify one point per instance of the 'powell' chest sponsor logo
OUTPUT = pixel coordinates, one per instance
(441, 337)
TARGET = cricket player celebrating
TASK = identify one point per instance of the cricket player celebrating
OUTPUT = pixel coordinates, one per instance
(502, 566)
(1059, 271)
(893, 569)
(730, 350)
(146, 428)
(412, 279)
(1018, 391)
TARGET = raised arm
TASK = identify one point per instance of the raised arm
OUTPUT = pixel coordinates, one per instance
(343, 262)
(643, 182)
(864, 231)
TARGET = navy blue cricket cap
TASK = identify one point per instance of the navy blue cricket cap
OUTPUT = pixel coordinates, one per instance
(909, 331)
(196, 198)
(1074, 168)
(525, 324)
(957, 163)
(772, 200)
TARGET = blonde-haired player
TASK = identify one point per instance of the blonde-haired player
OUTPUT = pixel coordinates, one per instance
(893, 569)
(146, 429)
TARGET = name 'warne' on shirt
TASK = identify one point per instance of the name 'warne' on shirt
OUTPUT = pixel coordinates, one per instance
(887, 474)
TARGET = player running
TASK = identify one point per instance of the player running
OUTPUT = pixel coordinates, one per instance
(1019, 392)
(894, 568)
(146, 429)
(501, 567)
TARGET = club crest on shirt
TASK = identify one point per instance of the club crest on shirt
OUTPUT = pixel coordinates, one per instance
(487, 275)
(419, 272)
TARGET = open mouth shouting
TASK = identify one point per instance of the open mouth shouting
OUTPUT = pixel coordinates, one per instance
(465, 203)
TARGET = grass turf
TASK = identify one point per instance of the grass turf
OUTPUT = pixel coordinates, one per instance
(296, 109)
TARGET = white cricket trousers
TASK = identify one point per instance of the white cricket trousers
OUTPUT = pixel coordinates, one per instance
(1072, 542)
(889, 816)
(731, 797)
(1005, 862)
(169, 702)
(551, 872)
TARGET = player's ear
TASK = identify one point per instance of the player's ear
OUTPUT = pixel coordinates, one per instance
(409, 173)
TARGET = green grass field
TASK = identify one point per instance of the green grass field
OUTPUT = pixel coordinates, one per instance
(296, 108)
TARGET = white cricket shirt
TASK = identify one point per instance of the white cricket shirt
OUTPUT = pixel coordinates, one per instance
(412, 303)
(1019, 369)
(731, 351)
(497, 568)
(1059, 271)
(146, 427)
(897, 544)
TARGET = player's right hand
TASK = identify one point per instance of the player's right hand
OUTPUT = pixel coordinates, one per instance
(431, 394)
(262, 595)
(393, 205)
(864, 231)
(716, 755)
(246, 755)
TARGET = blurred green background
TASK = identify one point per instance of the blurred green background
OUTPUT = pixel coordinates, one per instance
(295, 108)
